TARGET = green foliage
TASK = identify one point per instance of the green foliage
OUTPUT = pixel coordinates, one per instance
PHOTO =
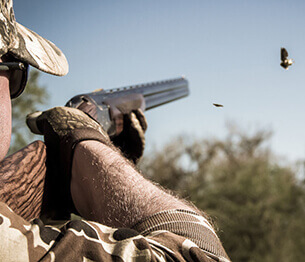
(257, 203)
(33, 96)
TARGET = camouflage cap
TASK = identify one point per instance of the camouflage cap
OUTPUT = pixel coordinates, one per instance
(28, 46)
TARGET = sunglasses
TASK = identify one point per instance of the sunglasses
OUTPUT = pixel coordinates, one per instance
(18, 76)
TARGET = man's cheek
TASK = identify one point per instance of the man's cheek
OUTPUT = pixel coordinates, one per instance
(5, 127)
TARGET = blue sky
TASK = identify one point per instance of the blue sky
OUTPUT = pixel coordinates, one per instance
(228, 50)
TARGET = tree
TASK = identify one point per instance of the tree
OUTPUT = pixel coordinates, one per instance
(257, 203)
(34, 96)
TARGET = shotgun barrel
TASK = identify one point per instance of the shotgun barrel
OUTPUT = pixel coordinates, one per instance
(112, 103)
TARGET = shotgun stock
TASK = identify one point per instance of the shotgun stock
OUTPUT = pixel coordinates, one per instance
(22, 179)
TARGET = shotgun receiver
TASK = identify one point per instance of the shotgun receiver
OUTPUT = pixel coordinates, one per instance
(113, 103)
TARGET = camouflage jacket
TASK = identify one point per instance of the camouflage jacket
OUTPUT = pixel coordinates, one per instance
(175, 235)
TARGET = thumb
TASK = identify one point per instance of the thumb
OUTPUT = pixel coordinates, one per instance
(31, 121)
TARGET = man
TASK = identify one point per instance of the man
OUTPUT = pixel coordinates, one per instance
(126, 217)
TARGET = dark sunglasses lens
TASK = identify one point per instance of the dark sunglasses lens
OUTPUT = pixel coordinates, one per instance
(18, 80)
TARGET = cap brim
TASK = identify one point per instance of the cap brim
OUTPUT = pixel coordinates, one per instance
(39, 52)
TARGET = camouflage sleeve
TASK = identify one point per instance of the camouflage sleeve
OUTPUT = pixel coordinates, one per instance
(192, 230)
(81, 240)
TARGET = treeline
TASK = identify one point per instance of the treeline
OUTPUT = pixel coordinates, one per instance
(256, 203)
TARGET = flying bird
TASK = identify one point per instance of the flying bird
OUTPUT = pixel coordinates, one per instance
(286, 62)
(218, 105)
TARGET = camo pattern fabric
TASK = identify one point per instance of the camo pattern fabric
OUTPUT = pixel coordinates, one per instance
(8, 28)
(81, 240)
(28, 46)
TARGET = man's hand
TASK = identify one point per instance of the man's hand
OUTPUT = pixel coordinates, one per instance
(61, 120)
(63, 128)
(131, 140)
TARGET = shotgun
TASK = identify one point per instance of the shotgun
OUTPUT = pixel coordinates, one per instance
(113, 103)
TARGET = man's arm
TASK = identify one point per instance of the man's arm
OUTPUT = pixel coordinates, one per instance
(106, 188)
